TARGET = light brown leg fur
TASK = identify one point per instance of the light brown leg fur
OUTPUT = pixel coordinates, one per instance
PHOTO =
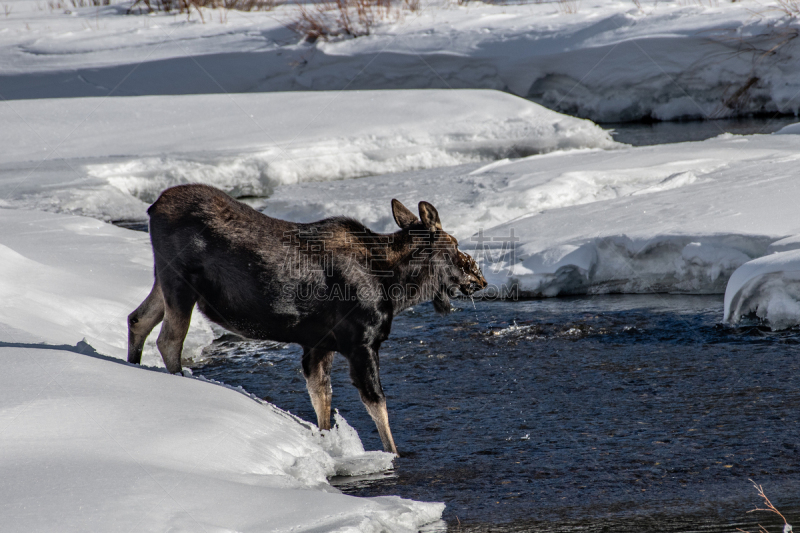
(380, 415)
(317, 371)
(142, 321)
(170, 340)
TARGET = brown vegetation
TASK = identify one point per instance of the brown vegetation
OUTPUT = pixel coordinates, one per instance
(185, 6)
(352, 18)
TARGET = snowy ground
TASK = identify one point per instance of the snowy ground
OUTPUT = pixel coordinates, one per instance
(607, 60)
(93, 444)
(110, 157)
(64, 279)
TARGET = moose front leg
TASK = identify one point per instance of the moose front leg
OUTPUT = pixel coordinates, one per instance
(317, 371)
(364, 371)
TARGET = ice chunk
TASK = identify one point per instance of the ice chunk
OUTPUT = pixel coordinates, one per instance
(344, 446)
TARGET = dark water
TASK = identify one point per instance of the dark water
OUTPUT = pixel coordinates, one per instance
(650, 133)
(627, 413)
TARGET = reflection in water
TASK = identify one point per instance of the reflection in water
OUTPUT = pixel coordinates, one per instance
(615, 413)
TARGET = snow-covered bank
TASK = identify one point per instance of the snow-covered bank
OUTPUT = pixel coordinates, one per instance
(109, 158)
(767, 288)
(606, 59)
(94, 445)
(66, 278)
(669, 218)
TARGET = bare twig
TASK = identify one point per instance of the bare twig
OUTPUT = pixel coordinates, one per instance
(787, 527)
(770, 508)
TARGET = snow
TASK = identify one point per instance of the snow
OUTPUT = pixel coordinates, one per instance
(343, 444)
(791, 129)
(109, 158)
(64, 279)
(479, 196)
(767, 287)
(607, 60)
(93, 444)
(671, 218)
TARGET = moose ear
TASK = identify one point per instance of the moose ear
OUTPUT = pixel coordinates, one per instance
(402, 215)
(429, 216)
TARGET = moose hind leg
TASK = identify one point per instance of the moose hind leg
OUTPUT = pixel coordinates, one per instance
(142, 321)
(364, 372)
(177, 315)
(317, 371)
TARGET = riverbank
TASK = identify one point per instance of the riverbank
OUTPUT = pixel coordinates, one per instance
(609, 60)
(93, 444)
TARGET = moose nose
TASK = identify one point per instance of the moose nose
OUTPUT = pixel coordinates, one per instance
(477, 285)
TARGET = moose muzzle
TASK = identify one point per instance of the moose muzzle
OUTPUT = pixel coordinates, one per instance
(474, 277)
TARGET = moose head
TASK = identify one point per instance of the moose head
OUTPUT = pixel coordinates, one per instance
(448, 269)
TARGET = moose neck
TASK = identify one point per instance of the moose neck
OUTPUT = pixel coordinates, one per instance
(411, 272)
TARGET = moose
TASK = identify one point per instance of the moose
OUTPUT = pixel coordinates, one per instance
(329, 286)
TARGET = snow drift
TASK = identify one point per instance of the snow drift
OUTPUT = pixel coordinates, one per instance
(64, 279)
(767, 288)
(92, 444)
(109, 158)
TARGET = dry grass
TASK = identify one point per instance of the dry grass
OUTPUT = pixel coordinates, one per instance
(59, 4)
(791, 8)
(569, 7)
(351, 18)
(758, 50)
(185, 6)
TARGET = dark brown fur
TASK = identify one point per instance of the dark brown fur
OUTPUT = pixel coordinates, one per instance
(329, 286)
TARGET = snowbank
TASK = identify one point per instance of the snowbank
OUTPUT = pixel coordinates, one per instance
(109, 158)
(91, 444)
(670, 218)
(791, 129)
(604, 59)
(64, 279)
(767, 288)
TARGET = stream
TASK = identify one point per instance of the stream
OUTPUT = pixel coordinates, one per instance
(605, 413)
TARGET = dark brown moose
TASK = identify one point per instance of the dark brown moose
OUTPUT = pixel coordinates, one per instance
(330, 286)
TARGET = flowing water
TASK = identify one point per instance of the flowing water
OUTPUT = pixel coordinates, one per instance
(614, 413)
(650, 133)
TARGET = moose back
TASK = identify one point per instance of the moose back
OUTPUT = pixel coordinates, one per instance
(330, 286)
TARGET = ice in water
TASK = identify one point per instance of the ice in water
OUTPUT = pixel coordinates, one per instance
(344, 445)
